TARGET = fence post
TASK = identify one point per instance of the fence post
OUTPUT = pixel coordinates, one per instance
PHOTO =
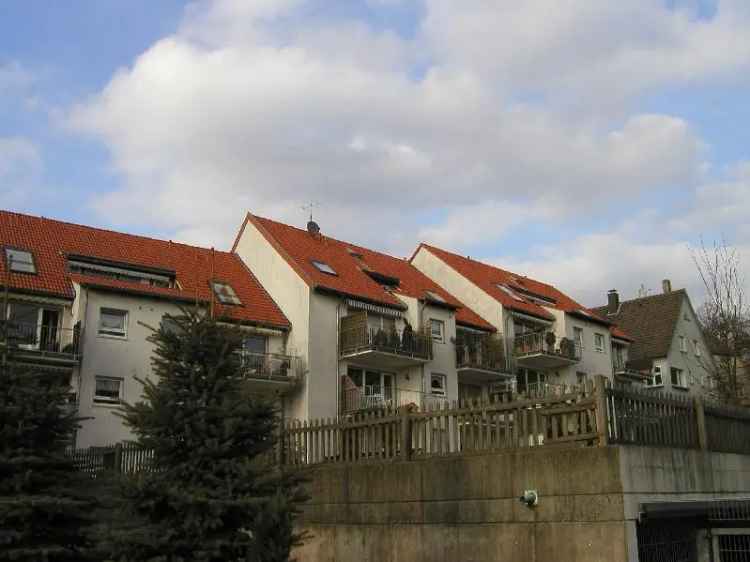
(700, 421)
(118, 458)
(405, 434)
(280, 443)
(600, 396)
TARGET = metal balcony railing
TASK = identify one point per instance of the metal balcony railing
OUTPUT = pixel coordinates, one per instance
(481, 351)
(376, 397)
(546, 343)
(43, 341)
(269, 365)
(406, 343)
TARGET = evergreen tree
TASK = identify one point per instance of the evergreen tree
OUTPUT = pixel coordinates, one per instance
(43, 509)
(213, 494)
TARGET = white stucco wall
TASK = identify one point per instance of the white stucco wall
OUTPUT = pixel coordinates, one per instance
(122, 358)
(291, 294)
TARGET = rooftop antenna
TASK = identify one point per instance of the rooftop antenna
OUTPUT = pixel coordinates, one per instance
(312, 226)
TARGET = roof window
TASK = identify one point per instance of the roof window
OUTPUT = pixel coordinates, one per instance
(20, 261)
(509, 292)
(225, 293)
(323, 267)
(144, 275)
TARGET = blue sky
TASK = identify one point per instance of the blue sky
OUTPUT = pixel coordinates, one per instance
(605, 138)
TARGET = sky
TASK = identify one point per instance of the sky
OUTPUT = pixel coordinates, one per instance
(588, 143)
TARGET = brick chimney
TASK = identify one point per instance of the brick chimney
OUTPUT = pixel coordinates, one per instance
(666, 286)
(613, 301)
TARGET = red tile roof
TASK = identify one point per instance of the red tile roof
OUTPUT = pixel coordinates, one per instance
(52, 241)
(488, 277)
(351, 263)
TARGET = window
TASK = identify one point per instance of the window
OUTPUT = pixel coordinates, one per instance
(254, 344)
(225, 293)
(656, 378)
(678, 377)
(578, 337)
(683, 344)
(437, 329)
(697, 347)
(20, 260)
(323, 267)
(437, 384)
(581, 377)
(113, 322)
(121, 271)
(107, 390)
(599, 343)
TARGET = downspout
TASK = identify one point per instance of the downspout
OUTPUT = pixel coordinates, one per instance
(338, 362)
(423, 305)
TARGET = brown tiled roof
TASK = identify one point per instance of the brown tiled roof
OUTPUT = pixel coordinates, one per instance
(352, 264)
(650, 321)
(51, 242)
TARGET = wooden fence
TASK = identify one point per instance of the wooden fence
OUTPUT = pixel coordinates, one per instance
(122, 458)
(597, 414)
(447, 429)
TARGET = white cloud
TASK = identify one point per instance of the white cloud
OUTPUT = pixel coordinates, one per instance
(20, 166)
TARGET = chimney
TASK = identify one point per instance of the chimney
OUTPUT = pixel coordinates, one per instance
(613, 301)
(313, 228)
(666, 286)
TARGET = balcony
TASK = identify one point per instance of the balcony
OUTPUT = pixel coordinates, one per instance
(481, 358)
(42, 344)
(270, 371)
(371, 398)
(389, 350)
(544, 350)
(625, 374)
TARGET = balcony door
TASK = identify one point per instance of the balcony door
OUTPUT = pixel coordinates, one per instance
(33, 327)
(375, 388)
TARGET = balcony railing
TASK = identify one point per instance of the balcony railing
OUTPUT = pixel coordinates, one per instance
(405, 343)
(269, 366)
(482, 352)
(379, 398)
(546, 343)
(41, 341)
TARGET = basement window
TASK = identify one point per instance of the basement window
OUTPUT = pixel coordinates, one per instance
(225, 293)
(323, 267)
(20, 261)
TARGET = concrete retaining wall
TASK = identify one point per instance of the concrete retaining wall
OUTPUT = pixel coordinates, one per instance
(467, 508)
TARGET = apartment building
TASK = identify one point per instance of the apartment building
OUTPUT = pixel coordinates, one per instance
(373, 330)
(82, 301)
(668, 343)
(551, 339)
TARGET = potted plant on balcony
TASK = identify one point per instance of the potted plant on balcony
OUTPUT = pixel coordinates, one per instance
(381, 338)
(394, 341)
(549, 339)
(567, 348)
(407, 338)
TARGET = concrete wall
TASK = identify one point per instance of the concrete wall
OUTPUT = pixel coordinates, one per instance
(466, 508)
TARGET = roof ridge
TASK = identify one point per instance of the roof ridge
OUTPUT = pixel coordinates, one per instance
(654, 296)
(112, 231)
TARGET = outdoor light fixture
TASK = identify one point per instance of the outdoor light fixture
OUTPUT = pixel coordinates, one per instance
(529, 498)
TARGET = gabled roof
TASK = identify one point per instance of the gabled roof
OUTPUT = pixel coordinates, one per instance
(359, 272)
(51, 242)
(519, 293)
(651, 322)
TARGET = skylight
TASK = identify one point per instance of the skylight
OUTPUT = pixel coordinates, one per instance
(225, 293)
(434, 296)
(509, 292)
(323, 267)
(20, 260)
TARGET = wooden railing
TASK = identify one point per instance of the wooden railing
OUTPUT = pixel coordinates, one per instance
(440, 430)
(122, 458)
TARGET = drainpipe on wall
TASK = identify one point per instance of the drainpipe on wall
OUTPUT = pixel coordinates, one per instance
(338, 362)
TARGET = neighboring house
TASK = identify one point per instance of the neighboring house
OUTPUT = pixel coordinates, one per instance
(81, 300)
(668, 343)
(372, 328)
(552, 339)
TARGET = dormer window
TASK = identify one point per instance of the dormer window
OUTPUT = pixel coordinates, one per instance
(20, 261)
(225, 293)
(87, 265)
(323, 267)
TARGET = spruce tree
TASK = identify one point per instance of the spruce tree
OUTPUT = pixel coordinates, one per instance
(213, 494)
(44, 511)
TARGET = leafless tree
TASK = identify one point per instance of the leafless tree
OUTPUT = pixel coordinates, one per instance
(725, 318)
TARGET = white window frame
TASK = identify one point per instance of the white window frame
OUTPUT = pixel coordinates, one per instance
(599, 347)
(683, 344)
(697, 346)
(578, 337)
(441, 337)
(656, 372)
(323, 267)
(444, 383)
(681, 380)
(230, 294)
(108, 333)
(105, 400)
